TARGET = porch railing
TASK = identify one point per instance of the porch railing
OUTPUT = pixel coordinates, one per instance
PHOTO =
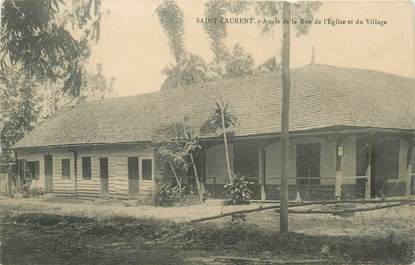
(339, 183)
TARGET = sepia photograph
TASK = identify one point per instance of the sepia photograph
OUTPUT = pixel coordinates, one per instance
(207, 132)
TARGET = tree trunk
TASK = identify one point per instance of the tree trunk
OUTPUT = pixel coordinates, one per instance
(225, 142)
(179, 182)
(200, 186)
(75, 168)
(198, 183)
(285, 152)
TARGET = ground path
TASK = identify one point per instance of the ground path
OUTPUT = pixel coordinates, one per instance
(375, 222)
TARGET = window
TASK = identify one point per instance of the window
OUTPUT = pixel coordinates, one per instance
(32, 169)
(66, 168)
(147, 169)
(86, 168)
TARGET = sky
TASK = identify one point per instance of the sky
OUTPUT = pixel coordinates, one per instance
(134, 50)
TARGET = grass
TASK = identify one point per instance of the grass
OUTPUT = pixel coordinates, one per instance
(74, 230)
(75, 235)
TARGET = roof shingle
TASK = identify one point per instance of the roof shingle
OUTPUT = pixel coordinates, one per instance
(321, 96)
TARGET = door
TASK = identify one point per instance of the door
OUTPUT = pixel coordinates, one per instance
(103, 175)
(308, 168)
(48, 173)
(246, 163)
(133, 180)
(385, 165)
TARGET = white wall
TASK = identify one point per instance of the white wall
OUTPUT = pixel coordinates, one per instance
(117, 168)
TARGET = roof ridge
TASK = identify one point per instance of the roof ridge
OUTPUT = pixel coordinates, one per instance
(241, 78)
(359, 69)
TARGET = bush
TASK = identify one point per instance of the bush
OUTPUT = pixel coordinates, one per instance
(169, 194)
(35, 192)
(237, 190)
(31, 192)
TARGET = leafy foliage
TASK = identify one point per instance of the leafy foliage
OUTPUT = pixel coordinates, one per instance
(237, 189)
(216, 118)
(20, 108)
(31, 192)
(172, 21)
(36, 36)
(268, 66)
(94, 86)
(190, 68)
(216, 32)
(193, 69)
(24, 102)
(224, 63)
(239, 63)
(300, 9)
(170, 194)
(174, 143)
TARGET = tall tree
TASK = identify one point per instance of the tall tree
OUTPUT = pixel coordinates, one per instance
(269, 65)
(172, 21)
(48, 38)
(290, 12)
(193, 70)
(94, 86)
(221, 120)
(177, 144)
(20, 108)
(217, 33)
(188, 68)
(226, 64)
(239, 63)
(285, 107)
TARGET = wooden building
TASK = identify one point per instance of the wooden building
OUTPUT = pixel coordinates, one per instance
(352, 134)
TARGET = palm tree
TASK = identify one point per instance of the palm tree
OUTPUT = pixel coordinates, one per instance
(171, 19)
(221, 120)
(193, 70)
(226, 63)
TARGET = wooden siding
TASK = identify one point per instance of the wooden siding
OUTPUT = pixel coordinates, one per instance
(40, 183)
(117, 169)
(214, 166)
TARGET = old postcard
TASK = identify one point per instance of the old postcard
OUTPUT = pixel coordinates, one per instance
(207, 132)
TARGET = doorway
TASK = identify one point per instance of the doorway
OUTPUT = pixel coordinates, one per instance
(103, 175)
(133, 179)
(383, 156)
(246, 163)
(385, 165)
(308, 168)
(48, 173)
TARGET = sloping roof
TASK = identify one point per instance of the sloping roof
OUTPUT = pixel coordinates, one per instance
(321, 96)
